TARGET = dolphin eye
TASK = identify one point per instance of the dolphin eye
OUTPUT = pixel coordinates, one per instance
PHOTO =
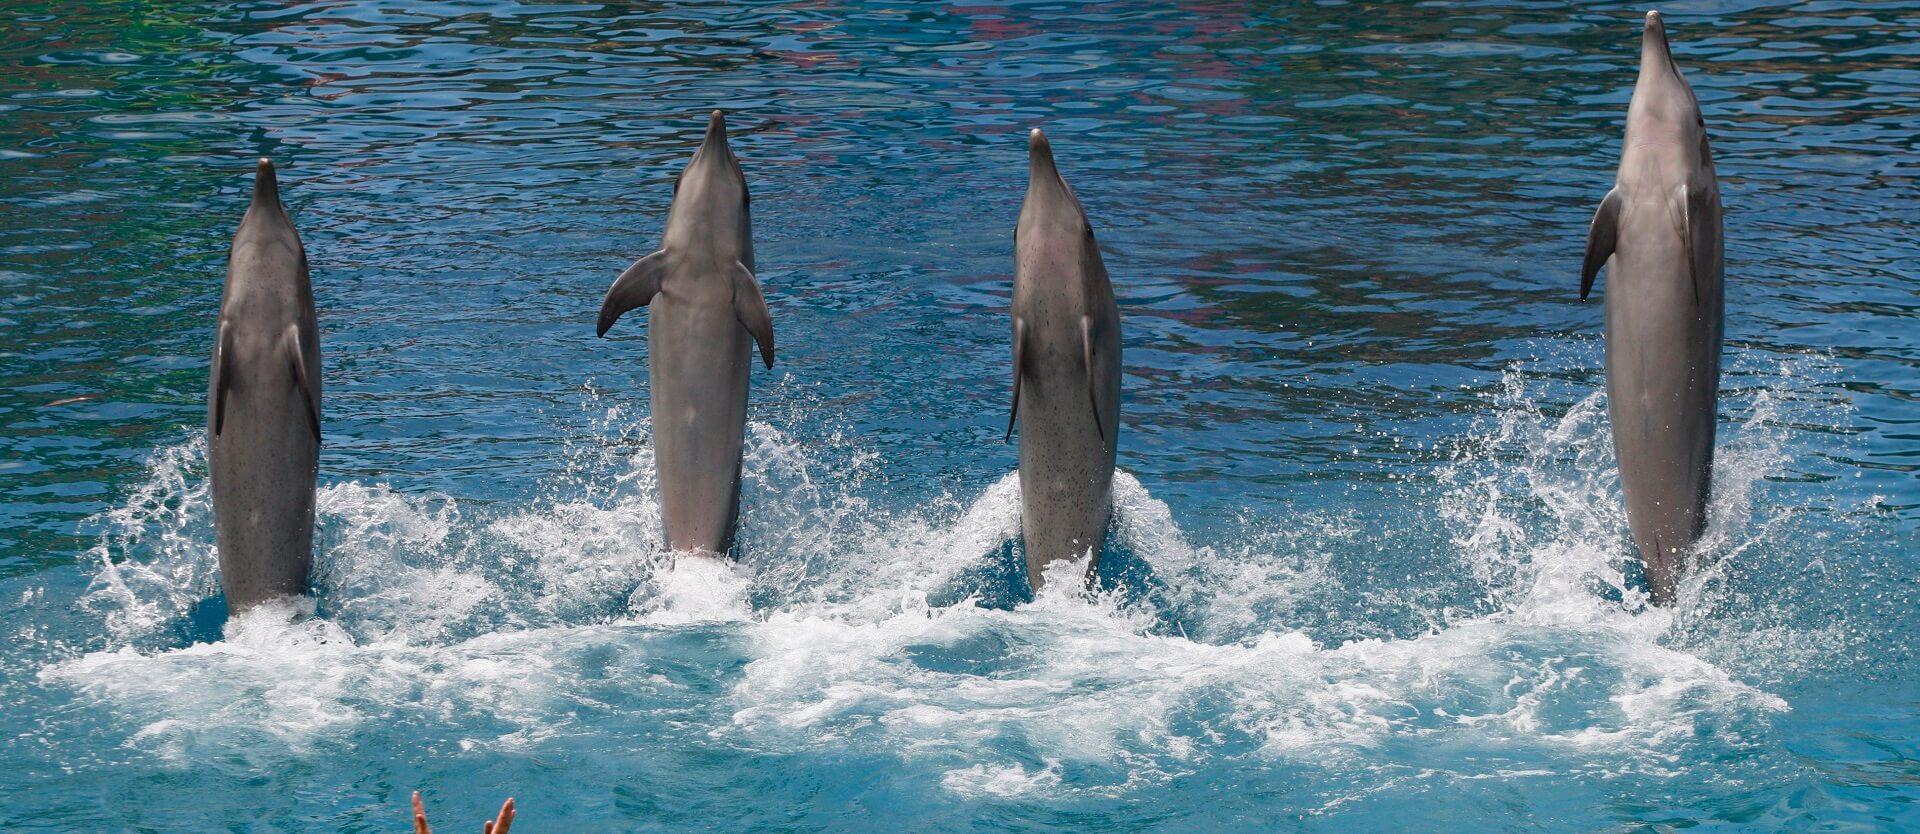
(676, 182)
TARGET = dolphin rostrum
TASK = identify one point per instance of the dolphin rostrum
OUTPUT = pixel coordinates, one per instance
(1658, 233)
(263, 407)
(1066, 372)
(707, 315)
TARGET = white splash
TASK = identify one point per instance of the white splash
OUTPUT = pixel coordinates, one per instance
(851, 626)
(696, 589)
(155, 551)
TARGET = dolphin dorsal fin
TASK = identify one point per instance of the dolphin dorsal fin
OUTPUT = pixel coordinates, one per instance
(1601, 236)
(751, 309)
(634, 288)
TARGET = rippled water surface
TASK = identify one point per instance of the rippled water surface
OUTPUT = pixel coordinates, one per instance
(1370, 567)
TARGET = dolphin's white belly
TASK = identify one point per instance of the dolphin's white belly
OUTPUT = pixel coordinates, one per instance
(698, 360)
(1663, 359)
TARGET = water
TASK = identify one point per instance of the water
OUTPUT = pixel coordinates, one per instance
(1369, 566)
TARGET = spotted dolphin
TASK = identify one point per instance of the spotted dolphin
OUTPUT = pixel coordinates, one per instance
(707, 313)
(1066, 372)
(1658, 233)
(263, 407)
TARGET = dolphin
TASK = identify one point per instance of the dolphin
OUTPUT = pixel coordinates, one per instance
(1658, 233)
(263, 407)
(1066, 372)
(707, 313)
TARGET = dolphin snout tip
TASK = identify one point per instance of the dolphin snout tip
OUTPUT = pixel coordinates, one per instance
(1653, 36)
(265, 182)
(1038, 147)
(716, 135)
(1039, 158)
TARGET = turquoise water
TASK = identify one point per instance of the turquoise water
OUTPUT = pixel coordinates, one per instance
(1369, 570)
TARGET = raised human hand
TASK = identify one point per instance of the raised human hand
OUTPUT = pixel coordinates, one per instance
(497, 825)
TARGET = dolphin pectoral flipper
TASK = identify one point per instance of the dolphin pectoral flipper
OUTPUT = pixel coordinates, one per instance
(1700, 239)
(634, 288)
(1682, 209)
(296, 356)
(1086, 356)
(222, 374)
(1019, 355)
(1601, 236)
(1689, 203)
(750, 307)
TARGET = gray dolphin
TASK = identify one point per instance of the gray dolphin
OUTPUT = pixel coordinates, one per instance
(1066, 371)
(707, 314)
(263, 407)
(1658, 231)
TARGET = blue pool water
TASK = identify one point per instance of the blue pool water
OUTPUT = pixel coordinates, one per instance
(1370, 566)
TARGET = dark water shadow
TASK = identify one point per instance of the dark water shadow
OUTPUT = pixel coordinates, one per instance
(202, 623)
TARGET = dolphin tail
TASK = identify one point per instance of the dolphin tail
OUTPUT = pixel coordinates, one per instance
(297, 356)
(1601, 236)
(1086, 356)
(750, 307)
(222, 374)
(634, 288)
(1019, 355)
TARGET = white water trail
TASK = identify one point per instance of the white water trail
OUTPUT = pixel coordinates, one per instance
(153, 548)
(858, 626)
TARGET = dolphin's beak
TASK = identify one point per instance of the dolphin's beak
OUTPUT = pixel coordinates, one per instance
(266, 186)
(1039, 159)
(716, 130)
(1653, 42)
